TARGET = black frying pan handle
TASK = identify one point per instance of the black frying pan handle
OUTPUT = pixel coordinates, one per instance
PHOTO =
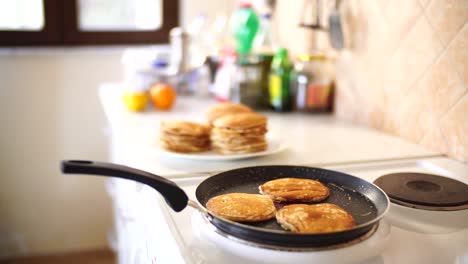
(175, 197)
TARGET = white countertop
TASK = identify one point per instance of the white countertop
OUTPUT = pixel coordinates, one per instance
(315, 140)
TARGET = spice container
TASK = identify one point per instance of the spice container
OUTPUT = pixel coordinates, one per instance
(313, 83)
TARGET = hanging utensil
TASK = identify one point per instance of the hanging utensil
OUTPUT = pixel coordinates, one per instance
(310, 18)
(336, 30)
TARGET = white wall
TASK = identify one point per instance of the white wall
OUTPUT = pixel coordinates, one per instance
(49, 110)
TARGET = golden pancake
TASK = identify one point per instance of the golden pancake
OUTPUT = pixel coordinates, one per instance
(226, 132)
(240, 121)
(223, 109)
(185, 140)
(240, 151)
(183, 148)
(182, 144)
(295, 190)
(184, 136)
(239, 134)
(242, 207)
(315, 218)
(185, 128)
(237, 140)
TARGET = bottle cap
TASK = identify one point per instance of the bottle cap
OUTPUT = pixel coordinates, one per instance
(281, 59)
(282, 52)
(245, 4)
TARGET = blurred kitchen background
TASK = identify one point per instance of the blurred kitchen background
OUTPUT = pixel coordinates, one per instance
(402, 69)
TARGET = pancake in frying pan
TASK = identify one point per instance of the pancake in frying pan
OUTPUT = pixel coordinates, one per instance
(314, 218)
(295, 190)
(242, 207)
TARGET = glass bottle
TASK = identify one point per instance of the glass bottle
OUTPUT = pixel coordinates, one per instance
(247, 83)
(280, 93)
(265, 46)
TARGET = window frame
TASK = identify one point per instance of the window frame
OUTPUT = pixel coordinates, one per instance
(61, 29)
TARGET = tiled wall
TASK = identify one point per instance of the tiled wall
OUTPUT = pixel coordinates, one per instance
(405, 70)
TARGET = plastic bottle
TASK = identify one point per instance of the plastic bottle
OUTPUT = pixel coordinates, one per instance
(280, 82)
(245, 24)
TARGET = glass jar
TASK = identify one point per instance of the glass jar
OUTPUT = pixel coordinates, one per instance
(313, 83)
(247, 87)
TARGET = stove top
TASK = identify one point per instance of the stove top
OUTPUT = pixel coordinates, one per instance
(392, 242)
(208, 239)
(425, 191)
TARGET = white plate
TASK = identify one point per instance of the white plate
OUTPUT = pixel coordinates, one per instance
(274, 146)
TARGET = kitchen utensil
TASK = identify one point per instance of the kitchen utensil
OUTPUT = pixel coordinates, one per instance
(335, 28)
(365, 201)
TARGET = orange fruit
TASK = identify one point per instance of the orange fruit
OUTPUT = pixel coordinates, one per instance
(163, 96)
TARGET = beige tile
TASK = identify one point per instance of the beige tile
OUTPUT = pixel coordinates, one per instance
(440, 88)
(379, 35)
(424, 2)
(401, 16)
(415, 55)
(383, 3)
(434, 140)
(393, 83)
(356, 19)
(408, 118)
(345, 106)
(447, 17)
(427, 119)
(390, 123)
(345, 101)
(377, 117)
(458, 51)
(454, 127)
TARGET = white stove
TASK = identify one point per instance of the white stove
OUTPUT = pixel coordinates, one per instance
(187, 237)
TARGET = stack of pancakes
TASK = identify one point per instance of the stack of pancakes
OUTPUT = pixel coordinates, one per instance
(239, 133)
(226, 108)
(184, 136)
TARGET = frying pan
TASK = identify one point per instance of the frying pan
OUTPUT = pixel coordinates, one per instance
(365, 201)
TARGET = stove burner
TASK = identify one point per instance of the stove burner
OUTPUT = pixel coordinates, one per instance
(425, 191)
(295, 249)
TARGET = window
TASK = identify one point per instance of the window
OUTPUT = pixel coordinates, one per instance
(86, 22)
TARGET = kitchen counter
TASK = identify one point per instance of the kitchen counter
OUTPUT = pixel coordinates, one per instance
(315, 140)
(146, 230)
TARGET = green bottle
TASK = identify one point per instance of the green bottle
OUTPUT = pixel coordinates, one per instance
(279, 86)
